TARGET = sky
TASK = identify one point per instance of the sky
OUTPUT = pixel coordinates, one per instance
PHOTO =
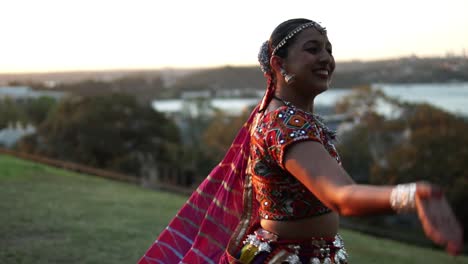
(69, 35)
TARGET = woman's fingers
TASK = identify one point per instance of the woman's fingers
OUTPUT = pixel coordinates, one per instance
(428, 222)
(426, 190)
(454, 248)
(439, 222)
(451, 226)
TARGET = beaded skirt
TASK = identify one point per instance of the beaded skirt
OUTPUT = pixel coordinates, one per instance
(265, 247)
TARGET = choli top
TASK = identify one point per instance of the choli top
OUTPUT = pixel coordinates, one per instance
(281, 196)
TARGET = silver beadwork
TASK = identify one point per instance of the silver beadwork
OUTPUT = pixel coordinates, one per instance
(322, 251)
(264, 54)
(341, 256)
(255, 241)
(264, 246)
(261, 239)
(283, 42)
(338, 241)
(329, 133)
(293, 259)
(315, 261)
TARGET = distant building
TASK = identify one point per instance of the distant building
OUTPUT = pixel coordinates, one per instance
(205, 102)
(12, 133)
(190, 95)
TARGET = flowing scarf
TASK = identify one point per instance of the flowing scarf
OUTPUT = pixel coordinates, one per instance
(211, 225)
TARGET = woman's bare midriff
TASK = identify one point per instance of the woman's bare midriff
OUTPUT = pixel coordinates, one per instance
(318, 226)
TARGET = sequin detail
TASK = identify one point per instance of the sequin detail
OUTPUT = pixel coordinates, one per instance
(281, 195)
(276, 250)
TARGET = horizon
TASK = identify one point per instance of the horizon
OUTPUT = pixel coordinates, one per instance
(209, 67)
(70, 36)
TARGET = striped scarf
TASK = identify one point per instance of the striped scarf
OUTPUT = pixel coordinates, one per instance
(210, 227)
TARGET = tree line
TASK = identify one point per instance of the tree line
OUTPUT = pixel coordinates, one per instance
(422, 142)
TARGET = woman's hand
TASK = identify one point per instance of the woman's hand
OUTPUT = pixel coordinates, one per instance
(437, 218)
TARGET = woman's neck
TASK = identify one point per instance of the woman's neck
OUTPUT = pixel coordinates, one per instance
(302, 102)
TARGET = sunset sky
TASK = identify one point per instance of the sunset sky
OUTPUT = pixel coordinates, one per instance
(63, 35)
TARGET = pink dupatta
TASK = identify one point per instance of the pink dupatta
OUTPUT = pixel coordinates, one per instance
(212, 224)
(201, 230)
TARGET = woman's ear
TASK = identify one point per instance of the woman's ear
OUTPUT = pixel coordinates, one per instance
(276, 63)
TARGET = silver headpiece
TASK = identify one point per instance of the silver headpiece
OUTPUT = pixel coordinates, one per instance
(291, 34)
(264, 56)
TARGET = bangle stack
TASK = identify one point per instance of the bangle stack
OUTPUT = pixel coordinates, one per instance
(403, 198)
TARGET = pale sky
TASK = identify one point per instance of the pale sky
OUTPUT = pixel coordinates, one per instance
(63, 35)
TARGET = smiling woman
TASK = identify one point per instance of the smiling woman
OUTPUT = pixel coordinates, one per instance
(278, 194)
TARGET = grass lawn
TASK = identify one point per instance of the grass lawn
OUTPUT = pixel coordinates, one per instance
(50, 215)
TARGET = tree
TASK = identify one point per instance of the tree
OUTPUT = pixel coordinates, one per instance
(10, 113)
(37, 109)
(435, 148)
(111, 132)
(421, 143)
(220, 133)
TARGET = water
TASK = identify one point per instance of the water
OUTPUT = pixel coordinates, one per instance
(233, 106)
(452, 97)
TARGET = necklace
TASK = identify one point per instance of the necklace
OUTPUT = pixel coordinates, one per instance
(329, 133)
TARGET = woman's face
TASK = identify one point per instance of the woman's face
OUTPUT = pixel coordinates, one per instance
(310, 59)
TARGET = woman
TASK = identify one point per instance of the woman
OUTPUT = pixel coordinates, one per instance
(277, 195)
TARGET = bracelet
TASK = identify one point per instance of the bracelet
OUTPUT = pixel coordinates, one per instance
(402, 198)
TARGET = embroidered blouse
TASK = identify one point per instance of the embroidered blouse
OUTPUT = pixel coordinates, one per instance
(280, 194)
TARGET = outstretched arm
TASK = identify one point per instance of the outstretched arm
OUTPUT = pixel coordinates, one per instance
(311, 164)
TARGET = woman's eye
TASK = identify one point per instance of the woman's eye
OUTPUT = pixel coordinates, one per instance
(313, 50)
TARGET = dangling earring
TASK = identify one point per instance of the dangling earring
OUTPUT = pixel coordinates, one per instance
(287, 77)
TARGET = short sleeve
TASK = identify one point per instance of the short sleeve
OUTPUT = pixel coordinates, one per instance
(287, 126)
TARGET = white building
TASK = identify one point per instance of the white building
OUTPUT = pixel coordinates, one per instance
(10, 135)
(20, 93)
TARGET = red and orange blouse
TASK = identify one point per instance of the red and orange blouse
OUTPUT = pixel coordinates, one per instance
(280, 194)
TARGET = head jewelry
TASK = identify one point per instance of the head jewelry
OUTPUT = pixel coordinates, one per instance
(264, 54)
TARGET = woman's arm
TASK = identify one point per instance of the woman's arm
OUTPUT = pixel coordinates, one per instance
(311, 164)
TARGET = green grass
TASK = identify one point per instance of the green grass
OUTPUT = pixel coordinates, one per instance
(55, 216)
(50, 215)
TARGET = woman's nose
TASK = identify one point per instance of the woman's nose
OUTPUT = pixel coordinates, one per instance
(325, 56)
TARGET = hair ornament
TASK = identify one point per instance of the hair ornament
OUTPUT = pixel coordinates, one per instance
(264, 57)
(264, 53)
(294, 32)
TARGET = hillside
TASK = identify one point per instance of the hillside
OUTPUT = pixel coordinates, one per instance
(347, 74)
(170, 82)
(55, 216)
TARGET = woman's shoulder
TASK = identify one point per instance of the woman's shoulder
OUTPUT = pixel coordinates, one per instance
(286, 123)
(288, 116)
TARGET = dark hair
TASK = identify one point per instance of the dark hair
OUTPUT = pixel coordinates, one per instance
(281, 31)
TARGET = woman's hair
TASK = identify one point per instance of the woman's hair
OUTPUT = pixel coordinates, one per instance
(281, 38)
(281, 31)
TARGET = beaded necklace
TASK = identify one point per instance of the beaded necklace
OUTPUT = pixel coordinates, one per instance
(329, 133)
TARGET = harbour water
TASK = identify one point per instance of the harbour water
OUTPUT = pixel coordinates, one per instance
(452, 97)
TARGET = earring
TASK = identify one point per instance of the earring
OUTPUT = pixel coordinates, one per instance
(287, 77)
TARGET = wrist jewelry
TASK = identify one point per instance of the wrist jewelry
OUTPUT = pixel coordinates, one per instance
(402, 198)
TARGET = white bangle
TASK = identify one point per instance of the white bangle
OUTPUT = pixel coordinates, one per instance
(402, 198)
